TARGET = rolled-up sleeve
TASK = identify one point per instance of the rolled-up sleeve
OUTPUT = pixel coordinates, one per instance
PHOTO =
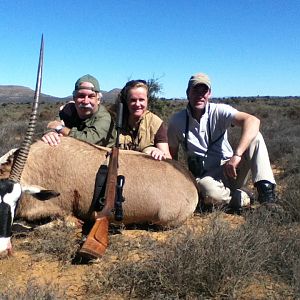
(161, 135)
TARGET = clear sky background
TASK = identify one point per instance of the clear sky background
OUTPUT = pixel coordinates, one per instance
(248, 47)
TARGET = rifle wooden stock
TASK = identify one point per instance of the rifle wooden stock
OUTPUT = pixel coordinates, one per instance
(97, 240)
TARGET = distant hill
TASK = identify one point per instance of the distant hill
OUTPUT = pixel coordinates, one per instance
(21, 94)
(110, 97)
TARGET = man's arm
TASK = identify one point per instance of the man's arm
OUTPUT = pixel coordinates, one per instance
(57, 129)
(250, 128)
(65, 120)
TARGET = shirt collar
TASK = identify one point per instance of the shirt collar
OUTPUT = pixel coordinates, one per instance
(189, 111)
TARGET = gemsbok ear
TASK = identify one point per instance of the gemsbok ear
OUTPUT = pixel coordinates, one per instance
(46, 195)
(39, 192)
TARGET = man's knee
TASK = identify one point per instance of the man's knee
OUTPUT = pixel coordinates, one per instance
(257, 140)
(213, 191)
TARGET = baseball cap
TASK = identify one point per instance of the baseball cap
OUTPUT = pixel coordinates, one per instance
(88, 78)
(199, 78)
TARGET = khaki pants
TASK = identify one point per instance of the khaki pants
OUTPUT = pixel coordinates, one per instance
(217, 188)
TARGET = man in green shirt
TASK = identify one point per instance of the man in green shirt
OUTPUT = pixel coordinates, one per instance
(84, 118)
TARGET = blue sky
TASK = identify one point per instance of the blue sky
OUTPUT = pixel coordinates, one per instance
(248, 47)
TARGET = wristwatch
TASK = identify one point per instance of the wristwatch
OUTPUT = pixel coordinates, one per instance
(59, 128)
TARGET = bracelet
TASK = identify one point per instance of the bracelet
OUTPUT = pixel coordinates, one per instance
(235, 154)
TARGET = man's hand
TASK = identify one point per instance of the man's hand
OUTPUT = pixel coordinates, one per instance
(51, 138)
(231, 166)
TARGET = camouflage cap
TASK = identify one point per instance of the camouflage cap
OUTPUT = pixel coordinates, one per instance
(199, 78)
(88, 78)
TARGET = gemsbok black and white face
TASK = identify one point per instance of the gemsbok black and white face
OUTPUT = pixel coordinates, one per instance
(10, 193)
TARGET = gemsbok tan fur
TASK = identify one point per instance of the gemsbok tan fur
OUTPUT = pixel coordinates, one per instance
(160, 192)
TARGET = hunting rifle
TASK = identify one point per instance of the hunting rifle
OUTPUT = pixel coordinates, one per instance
(97, 240)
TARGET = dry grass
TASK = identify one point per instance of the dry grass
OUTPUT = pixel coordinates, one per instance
(219, 263)
(216, 261)
(58, 241)
(33, 291)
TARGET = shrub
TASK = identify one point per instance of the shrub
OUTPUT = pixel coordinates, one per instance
(59, 241)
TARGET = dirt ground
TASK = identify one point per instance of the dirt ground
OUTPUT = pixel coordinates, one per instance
(25, 268)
